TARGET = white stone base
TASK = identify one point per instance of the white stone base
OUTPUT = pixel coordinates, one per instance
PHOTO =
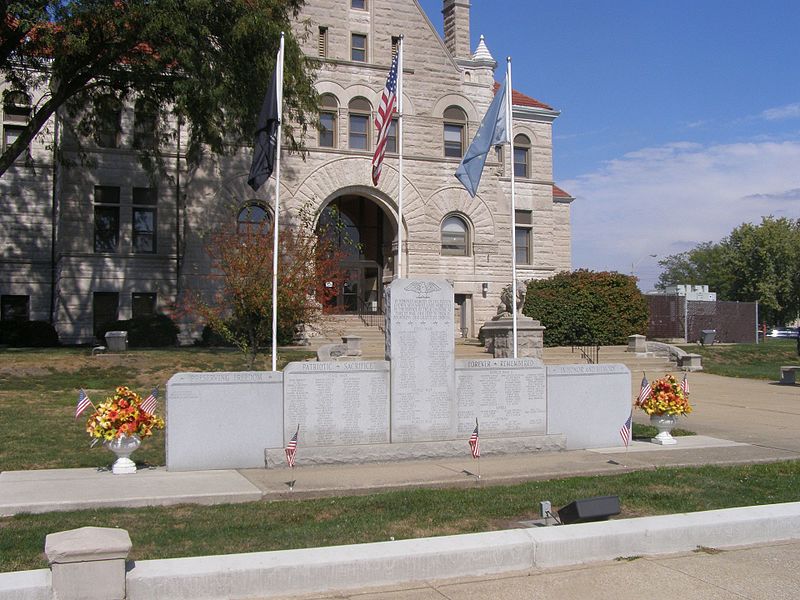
(367, 453)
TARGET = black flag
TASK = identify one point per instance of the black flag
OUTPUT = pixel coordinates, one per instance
(266, 144)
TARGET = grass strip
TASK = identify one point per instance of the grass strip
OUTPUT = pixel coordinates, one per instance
(751, 361)
(39, 390)
(189, 530)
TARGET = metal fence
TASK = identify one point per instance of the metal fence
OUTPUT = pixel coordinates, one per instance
(675, 317)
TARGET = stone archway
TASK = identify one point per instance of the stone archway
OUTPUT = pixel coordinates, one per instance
(365, 235)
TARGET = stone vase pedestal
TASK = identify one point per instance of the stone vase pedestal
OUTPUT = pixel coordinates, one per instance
(123, 447)
(665, 424)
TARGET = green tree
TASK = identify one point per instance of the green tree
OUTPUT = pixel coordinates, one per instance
(705, 264)
(209, 62)
(754, 263)
(587, 307)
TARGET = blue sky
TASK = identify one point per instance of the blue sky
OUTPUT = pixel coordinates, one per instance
(680, 119)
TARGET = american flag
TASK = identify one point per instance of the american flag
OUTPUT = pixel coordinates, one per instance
(83, 403)
(291, 448)
(149, 404)
(383, 120)
(474, 442)
(685, 385)
(645, 390)
(625, 430)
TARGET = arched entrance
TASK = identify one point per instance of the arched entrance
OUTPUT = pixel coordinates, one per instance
(365, 237)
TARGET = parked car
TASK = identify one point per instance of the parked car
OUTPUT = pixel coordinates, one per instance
(784, 332)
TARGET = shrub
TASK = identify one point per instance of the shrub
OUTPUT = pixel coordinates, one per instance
(587, 307)
(28, 334)
(144, 332)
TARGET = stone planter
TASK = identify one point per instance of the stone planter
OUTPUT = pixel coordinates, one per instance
(665, 424)
(123, 447)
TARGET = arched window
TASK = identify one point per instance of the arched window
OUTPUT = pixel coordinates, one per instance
(455, 236)
(145, 124)
(16, 111)
(455, 126)
(359, 112)
(328, 113)
(253, 218)
(522, 154)
(16, 107)
(108, 128)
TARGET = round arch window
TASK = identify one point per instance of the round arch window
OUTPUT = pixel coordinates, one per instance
(253, 218)
(455, 236)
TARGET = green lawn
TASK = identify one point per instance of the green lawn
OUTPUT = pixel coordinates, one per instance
(163, 532)
(39, 390)
(751, 361)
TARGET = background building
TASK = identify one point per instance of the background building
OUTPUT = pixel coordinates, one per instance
(82, 242)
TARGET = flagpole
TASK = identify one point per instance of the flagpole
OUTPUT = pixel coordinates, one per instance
(400, 153)
(510, 128)
(279, 68)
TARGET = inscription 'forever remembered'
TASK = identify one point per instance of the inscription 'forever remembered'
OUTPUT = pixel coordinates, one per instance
(420, 345)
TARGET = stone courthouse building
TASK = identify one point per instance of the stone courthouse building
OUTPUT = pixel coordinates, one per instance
(85, 243)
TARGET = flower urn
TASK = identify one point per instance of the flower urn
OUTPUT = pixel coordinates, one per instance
(123, 446)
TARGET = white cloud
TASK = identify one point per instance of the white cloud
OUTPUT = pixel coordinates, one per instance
(667, 199)
(779, 113)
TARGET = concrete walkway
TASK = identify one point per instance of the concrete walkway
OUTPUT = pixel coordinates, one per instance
(766, 572)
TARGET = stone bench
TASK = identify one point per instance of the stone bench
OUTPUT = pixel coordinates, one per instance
(789, 374)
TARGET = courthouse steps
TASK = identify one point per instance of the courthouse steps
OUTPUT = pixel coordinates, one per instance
(373, 340)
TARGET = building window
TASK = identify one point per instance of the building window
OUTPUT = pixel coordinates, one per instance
(455, 124)
(15, 308)
(106, 218)
(144, 220)
(455, 236)
(253, 218)
(522, 152)
(523, 234)
(104, 309)
(108, 128)
(328, 113)
(16, 111)
(145, 125)
(391, 137)
(358, 47)
(358, 130)
(322, 42)
(358, 4)
(143, 304)
(10, 134)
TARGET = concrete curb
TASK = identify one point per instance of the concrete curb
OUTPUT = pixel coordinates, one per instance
(340, 568)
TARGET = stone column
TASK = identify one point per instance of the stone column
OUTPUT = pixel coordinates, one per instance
(88, 563)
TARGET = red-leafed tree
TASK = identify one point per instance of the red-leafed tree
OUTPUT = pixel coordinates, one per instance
(240, 308)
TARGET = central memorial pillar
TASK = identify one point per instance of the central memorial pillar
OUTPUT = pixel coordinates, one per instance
(420, 346)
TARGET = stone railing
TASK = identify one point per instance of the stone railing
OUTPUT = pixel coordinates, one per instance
(685, 361)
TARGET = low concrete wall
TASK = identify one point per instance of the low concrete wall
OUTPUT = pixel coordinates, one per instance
(326, 570)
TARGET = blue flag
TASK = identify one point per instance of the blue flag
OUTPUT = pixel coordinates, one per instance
(492, 132)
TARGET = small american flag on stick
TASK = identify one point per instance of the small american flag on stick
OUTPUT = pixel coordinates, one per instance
(625, 430)
(149, 404)
(474, 442)
(83, 402)
(644, 390)
(291, 448)
(685, 384)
